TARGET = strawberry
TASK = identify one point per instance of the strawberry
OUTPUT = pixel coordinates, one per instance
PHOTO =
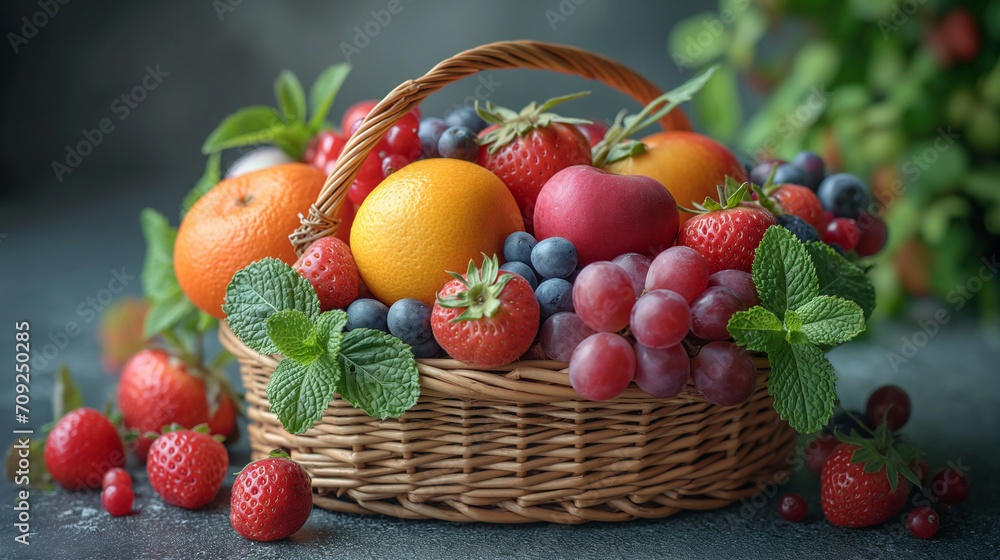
(187, 467)
(329, 266)
(727, 236)
(525, 149)
(802, 202)
(81, 448)
(157, 389)
(484, 318)
(864, 480)
(272, 498)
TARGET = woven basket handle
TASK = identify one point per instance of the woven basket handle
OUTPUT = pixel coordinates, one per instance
(321, 221)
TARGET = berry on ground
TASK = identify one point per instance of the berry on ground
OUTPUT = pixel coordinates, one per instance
(792, 507)
(116, 476)
(81, 448)
(950, 486)
(923, 522)
(117, 499)
(272, 498)
(186, 468)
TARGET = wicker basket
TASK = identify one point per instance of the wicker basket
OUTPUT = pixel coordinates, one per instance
(517, 445)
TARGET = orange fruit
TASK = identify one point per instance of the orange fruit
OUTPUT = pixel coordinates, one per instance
(240, 221)
(689, 164)
(430, 217)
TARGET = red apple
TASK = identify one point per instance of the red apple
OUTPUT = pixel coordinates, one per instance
(606, 215)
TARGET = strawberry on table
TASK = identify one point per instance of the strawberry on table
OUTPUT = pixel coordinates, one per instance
(484, 318)
(272, 498)
(329, 266)
(525, 149)
(727, 236)
(81, 448)
(187, 467)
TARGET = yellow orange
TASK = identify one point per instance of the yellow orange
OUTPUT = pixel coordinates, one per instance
(239, 221)
(430, 217)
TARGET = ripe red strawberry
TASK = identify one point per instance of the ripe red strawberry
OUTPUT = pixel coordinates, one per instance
(329, 266)
(186, 467)
(525, 149)
(864, 480)
(727, 236)
(81, 448)
(272, 498)
(484, 318)
(324, 149)
(157, 389)
(802, 202)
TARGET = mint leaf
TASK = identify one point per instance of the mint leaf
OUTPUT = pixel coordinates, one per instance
(841, 278)
(158, 278)
(67, 395)
(828, 320)
(294, 335)
(331, 322)
(802, 384)
(250, 125)
(324, 91)
(209, 178)
(260, 290)
(757, 328)
(783, 272)
(379, 374)
(298, 394)
(291, 97)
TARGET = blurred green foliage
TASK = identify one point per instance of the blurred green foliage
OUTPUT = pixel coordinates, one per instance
(905, 93)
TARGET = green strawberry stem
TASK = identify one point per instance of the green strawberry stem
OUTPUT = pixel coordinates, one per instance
(513, 124)
(481, 296)
(881, 450)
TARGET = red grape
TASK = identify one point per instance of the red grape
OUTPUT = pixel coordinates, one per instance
(874, 234)
(793, 507)
(662, 372)
(117, 499)
(561, 334)
(890, 398)
(356, 112)
(637, 266)
(711, 310)
(950, 486)
(660, 318)
(724, 373)
(843, 232)
(681, 269)
(602, 366)
(738, 281)
(603, 296)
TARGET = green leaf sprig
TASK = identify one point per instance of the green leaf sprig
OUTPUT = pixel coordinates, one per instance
(882, 450)
(811, 299)
(272, 309)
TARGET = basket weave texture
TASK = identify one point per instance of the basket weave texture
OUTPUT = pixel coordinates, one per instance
(516, 445)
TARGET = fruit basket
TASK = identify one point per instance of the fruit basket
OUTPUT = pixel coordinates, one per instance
(517, 444)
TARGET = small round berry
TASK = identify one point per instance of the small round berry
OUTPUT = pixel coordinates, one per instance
(554, 257)
(923, 522)
(465, 116)
(522, 270)
(793, 507)
(430, 132)
(874, 234)
(799, 227)
(843, 194)
(459, 142)
(761, 171)
(117, 499)
(817, 451)
(393, 163)
(518, 246)
(789, 174)
(813, 166)
(428, 349)
(116, 476)
(554, 296)
(367, 313)
(410, 321)
(950, 486)
(889, 402)
(843, 232)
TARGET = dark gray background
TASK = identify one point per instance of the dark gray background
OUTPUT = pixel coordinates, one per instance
(62, 241)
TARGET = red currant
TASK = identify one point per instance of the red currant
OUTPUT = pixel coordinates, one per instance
(368, 178)
(402, 138)
(890, 402)
(117, 499)
(843, 232)
(357, 112)
(923, 522)
(324, 149)
(817, 451)
(793, 507)
(116, 477)
(392, 163)
(950, 486)
(874, 234)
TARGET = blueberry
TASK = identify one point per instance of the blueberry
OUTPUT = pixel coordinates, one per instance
(788, 174)
(554, 257)
(367, 313)
(410, 321)
(799, 227)
(813, 167)
(522, 270)
(761, 171)
(554, 295)
(429, 133)
(465, 116)
(518, 246)
(458, 142)
(427, 349)
(572, 277)
(843, 194)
